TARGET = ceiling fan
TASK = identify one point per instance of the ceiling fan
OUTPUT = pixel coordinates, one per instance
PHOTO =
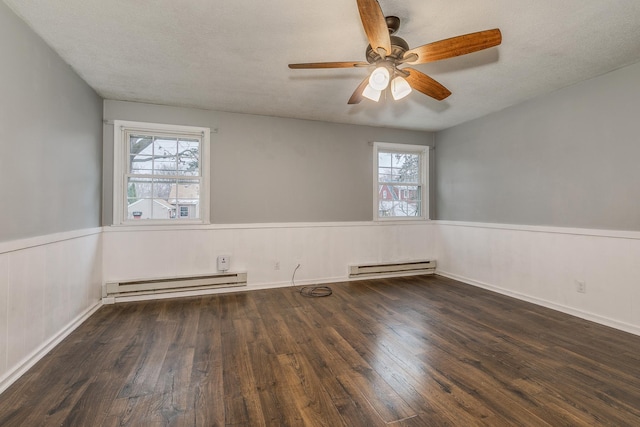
(387, 53)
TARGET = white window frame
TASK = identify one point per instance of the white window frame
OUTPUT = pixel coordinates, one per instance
(120, 161)
(423, 152)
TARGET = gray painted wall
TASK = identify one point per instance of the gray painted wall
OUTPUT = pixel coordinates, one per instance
(269, 169)
(50, 138)
(570, 158)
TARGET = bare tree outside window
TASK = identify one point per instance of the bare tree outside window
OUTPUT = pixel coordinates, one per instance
(159, 171)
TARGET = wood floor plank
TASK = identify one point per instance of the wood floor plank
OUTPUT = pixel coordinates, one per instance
(360, 376)
(207, 387)
(172, 387)
(307, 392)
(402, 352)
(242, 400)
(277, 406)
(327, 365)
(143, 379)
(351, 404)
(391, 359)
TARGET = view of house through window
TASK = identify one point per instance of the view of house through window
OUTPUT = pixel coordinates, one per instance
(401, 181)
(162, 177)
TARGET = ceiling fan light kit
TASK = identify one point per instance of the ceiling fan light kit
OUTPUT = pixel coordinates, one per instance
(371, 93)
(399, 88)
(387, 53)
(379, 79)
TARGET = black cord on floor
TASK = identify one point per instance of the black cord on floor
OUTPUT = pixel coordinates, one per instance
(315, 291)
(311, 291)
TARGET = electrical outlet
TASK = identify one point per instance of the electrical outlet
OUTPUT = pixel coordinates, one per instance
(581, 287)
(276, 265)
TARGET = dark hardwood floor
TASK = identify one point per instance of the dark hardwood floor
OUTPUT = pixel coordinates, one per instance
(415, 351)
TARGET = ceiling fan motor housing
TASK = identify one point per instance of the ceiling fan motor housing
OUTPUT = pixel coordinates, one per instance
(398, 48)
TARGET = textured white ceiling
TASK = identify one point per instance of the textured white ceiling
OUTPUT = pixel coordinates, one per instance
(233, 55)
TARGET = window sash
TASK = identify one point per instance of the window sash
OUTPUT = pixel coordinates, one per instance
(185, 138)
(396, 205)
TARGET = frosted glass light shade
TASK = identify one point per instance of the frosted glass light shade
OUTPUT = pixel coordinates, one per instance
(400, 88)
(379, 79)
(371, 93)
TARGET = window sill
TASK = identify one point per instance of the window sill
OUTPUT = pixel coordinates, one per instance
(401, 219)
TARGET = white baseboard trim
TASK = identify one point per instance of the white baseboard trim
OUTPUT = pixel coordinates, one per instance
(299, 283)
(329, 280)
(28, 362)
(632, 329)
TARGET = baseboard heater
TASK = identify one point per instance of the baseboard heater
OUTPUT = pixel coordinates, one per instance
(173, 284)
(393, 268)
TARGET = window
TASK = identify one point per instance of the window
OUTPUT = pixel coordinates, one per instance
(400, 181)
(160, 173)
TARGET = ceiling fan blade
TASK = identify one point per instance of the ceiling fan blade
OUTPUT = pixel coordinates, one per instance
(455, 46)
(357, 94)
(375, 25)
(425, 84)
(329, 65)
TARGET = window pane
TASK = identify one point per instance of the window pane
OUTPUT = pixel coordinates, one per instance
(140, 144)
(189, 211)
(187, 197)
(138, 187)
(399, 192)
(398, 208)
(149, 208)
(139, 208)
(162, 198)
(384, 159)
(165, 156)
(162, 187)
(385, 174)
(188, 157)
(140, 154)
(141, 164)
(398, 167)
(185, 189)
(407, 167)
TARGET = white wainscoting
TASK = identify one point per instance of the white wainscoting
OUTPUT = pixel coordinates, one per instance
(48, 286)
(323, 250)
(542, 265)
